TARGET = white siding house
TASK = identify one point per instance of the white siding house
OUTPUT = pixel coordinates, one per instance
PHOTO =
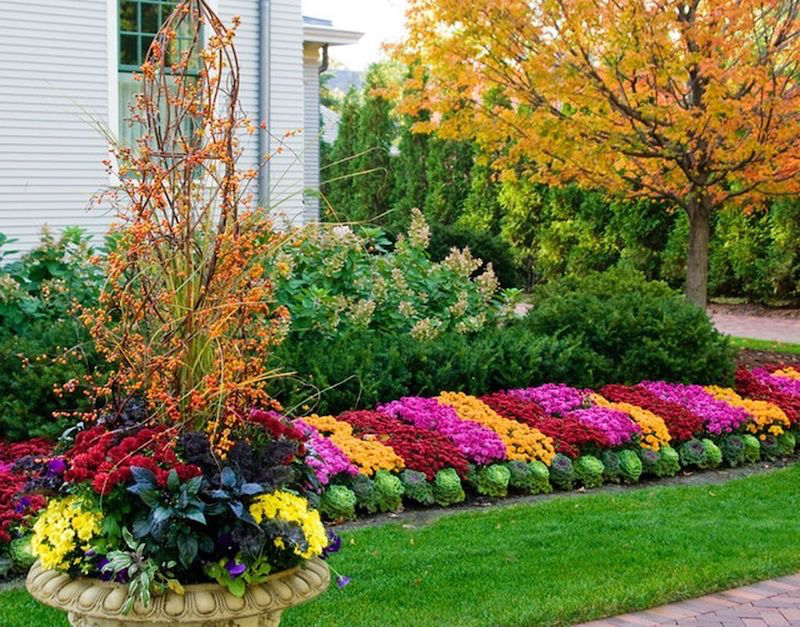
(61, 79)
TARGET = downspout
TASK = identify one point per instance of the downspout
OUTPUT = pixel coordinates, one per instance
(264, 108)
(324, 65)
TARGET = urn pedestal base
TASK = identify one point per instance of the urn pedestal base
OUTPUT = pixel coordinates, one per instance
(95, 603)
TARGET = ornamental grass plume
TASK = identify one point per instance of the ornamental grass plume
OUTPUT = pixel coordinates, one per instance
(479, 444)
(718, 416)
(187, 317)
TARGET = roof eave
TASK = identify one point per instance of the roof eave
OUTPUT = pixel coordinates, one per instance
(331, 36)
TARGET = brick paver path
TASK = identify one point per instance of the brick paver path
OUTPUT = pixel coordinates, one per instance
(759, 327)
(774, 602)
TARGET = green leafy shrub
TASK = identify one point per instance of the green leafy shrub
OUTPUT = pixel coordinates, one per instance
(630, 466)
(485, 246)
(733, 450)
(361, 368)
(713, 456)
(631, 329)
(611, 469)
(693, 453)
(447, 489)
(529, 477)
(752, 448)
(589, 471)
(490, 480)
(42, 345)
(338, 503)
(334, 278)
(562, 472)
(786, 443)
(669, 463)
(417, 487)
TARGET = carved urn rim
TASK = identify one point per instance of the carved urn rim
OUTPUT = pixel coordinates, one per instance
(200, 602)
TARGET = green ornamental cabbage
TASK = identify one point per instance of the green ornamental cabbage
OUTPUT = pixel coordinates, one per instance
(611, 471)
(589, 471)
(338, 503)
(417, 487)
(529, 477)
(562, 474)
(491, 480)
(630, 466)
(650, 460)
(388, 490)
(447, 487)
(364, 489)
(769, 447)
(21, 553)
(693, 453)
(733, 449)
(669, 463)
(752, 448)
(786, 443)
(713, 454)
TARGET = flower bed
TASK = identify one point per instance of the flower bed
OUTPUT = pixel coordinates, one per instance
(437, 450)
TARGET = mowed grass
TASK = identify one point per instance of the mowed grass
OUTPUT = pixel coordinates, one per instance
(555, 562)
(765, 345)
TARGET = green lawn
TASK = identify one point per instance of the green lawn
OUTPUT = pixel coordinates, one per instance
(765, 345)
(554, 562)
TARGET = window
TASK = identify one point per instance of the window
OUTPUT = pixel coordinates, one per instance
(139, 22)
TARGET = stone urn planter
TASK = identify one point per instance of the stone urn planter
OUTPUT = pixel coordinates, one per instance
(95, 603)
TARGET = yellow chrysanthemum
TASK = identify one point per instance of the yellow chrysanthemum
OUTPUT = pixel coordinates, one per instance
(289, 507)
(788, 373)
(765, 416)
(522, 442)
(64, 526)
(654, 431)
(368, 455)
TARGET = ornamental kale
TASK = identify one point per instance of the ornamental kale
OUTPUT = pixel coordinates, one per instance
(490, 480)
(589, 471)
(786, 443)
(733, 449)
(611, 469)
(338, 503)
(447, 488)
(693, 453)
(752, 448)
(417, 487)
(529, 477)
(669, 463)
(713, 453)
(630, 466)
(562, 473)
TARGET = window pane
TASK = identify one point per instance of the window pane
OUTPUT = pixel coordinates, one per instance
(128, 88)
(146, 41)
(128, 53)
(149, 17)
(127, 16)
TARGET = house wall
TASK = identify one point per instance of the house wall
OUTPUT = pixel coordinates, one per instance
(286, 112)
(311, 131)
(58, 85)
(54, 91)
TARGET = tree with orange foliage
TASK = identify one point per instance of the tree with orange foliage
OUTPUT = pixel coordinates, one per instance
(693, 102)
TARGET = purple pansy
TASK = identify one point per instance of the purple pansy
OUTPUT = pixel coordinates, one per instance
(235, 569)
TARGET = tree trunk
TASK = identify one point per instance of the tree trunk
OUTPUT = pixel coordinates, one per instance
(697, 260)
